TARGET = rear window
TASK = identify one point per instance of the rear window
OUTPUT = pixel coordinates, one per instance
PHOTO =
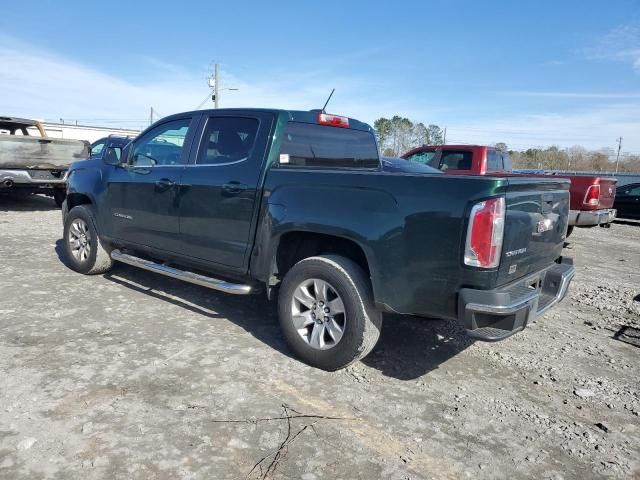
(310, 145)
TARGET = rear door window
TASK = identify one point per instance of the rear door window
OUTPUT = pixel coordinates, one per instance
(455, 160)
(227, 140)
(508, 164)
(311, 145)
(495, 161)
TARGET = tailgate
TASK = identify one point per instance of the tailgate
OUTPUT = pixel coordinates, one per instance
(607, 192)
(535, 225)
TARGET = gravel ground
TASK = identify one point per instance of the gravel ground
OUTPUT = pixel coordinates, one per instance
(133, 375)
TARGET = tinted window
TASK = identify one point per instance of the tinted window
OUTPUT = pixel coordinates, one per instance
(162, 145)
(455, 160)
(633, 190)
(227, 139)
(309, 145)
(96, 149)
(506, 158)
(113, 155)
(494, 160)
(425, 158)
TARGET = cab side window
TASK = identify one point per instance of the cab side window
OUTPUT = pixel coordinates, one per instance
(162, 145)
(96, 149)
(425, 158)
(456, 160)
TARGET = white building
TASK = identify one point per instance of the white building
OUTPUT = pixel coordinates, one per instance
(84, 132)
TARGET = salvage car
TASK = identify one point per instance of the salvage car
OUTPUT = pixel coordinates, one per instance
(31, 162)
(296, 204)
(591, 196)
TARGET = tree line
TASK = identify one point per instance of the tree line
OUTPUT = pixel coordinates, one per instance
(397, 134)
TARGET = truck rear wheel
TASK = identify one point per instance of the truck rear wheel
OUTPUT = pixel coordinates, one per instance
(327, 312)
(84, 251)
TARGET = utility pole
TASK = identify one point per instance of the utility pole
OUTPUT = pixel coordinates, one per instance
(618, 156)
(151, 116)
(444, 140)
(216, 86)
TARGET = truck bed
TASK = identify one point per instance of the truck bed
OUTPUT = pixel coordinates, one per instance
(23, 152)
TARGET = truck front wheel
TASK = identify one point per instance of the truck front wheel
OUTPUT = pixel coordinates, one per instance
(327, 312)
(83, 248)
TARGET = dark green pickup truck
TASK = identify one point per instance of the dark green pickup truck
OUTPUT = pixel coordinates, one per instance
(299, 205)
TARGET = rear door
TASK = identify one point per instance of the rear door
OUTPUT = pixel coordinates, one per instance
(142, 196)
(535, 225)
(219, 190)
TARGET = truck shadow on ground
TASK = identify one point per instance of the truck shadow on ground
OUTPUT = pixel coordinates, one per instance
(29, 203)
(409, 347)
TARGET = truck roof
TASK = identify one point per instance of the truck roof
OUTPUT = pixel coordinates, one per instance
(303, 116)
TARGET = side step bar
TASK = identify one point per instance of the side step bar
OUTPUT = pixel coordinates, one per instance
(213, 283)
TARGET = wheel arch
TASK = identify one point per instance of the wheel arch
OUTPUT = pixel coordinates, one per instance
(293, 245)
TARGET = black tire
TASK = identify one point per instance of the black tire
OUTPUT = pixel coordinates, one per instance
(98, 259)
(362, 321)
(59, 196)
(569, 231)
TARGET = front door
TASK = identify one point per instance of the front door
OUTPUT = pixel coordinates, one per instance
(220, 188)
(143, 194)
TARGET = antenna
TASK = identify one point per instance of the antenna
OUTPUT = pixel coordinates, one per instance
(327, 102)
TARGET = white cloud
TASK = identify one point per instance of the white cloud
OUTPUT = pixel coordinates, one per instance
(41, 84)
(586, 95)
(620, 44)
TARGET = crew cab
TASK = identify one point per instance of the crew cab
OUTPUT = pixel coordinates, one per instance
(592, 197)
(298, 205)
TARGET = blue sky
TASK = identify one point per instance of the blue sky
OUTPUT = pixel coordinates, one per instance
(529, 73)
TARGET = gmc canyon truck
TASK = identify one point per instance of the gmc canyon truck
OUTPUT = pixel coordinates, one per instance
(31, 162)
(297, 205)
(592, 197)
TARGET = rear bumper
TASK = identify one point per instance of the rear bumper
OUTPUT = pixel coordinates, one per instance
(492, 315)
(591, 218)
(32, 178)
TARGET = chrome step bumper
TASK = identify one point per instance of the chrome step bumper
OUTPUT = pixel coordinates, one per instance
(195, 278)
(493, 315)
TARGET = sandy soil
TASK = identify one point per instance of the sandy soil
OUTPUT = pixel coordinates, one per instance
(133, 375)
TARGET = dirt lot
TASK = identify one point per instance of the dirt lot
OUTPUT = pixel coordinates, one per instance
(133, 375)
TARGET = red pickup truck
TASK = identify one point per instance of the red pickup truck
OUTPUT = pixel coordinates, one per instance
(591, 197)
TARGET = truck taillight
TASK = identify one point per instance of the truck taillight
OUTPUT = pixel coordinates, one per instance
(592, 198)
(333, 120)
(485, 234)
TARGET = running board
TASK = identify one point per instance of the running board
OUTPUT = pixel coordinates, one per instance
(213, 283)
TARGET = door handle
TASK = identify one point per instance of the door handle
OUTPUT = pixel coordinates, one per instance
(234, 188)
(165, 184)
